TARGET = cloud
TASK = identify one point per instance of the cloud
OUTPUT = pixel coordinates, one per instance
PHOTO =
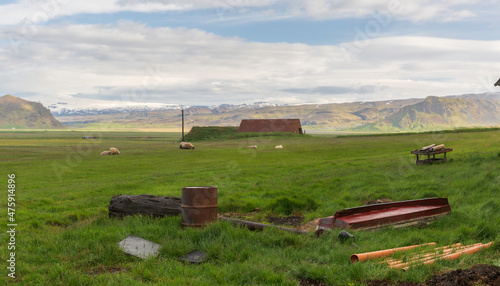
(36, 12)
(129, 61)
(333, 90)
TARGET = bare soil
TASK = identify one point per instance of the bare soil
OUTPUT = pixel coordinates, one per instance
(480, 274)
(310, 282)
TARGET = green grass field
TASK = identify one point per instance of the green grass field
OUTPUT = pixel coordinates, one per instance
(63, 188)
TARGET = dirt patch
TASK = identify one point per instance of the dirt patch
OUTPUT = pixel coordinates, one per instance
(390, 283)
(294, 221)
(310, 282)
(480, 274)
(310, 226)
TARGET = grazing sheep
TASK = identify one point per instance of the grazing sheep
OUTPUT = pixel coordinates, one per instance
(114, 151)
(186, 145)
(105, 153)
(252, 147)
(279, 147)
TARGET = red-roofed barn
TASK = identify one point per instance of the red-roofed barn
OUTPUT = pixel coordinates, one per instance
(270, 125)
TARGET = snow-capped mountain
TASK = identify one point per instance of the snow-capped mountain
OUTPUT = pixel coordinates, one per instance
(62, 108)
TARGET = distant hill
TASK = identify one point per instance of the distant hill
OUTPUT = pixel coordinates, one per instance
(20, 114)
(437, 113)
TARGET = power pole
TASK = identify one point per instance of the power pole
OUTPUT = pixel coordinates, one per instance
(182, 140)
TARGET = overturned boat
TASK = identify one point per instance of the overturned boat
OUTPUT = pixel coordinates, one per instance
(402, 213)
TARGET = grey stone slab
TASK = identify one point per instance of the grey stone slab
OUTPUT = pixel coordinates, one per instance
(195, 257)
(139, 247)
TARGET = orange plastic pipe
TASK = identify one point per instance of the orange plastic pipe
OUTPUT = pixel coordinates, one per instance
(383, 253)
(427, 256)
(433, 256)
(445, 249)
(456, 255)
(421, 260)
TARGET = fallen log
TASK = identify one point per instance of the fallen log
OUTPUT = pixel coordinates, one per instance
(156, 206)
(260, 226)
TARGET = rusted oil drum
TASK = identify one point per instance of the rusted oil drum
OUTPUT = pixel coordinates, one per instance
(199, 206)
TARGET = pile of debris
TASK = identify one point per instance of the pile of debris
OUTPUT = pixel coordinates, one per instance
(432, 148)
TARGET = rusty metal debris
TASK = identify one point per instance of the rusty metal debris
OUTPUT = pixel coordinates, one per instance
(375, 216)
(199, 206)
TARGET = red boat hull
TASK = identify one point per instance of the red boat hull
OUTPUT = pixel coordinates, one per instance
(393, 213)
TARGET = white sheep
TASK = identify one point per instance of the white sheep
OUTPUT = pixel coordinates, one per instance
(279, 147)
(105, 153)
(186, 145)
(114, 151)
(252, 147)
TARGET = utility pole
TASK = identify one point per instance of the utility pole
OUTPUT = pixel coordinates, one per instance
(182, 140)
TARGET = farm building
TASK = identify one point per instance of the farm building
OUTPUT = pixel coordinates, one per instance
(270, 125)
(497, 83)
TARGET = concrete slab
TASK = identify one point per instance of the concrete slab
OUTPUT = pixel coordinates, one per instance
(139, 247)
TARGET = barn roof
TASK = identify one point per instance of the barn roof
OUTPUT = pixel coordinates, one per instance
(270, 125)
(497, 83)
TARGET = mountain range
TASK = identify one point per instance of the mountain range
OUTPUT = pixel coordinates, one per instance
(418, 114)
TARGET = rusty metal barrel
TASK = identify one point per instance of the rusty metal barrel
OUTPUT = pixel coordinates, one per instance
(199, 206)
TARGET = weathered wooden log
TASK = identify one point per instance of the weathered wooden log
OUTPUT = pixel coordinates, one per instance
(157, 206)
(260, 226)
(438, 147)
(427, 147)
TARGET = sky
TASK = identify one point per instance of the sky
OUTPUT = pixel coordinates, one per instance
(212, 52)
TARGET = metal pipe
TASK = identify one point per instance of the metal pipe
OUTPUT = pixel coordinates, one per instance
(260, 226)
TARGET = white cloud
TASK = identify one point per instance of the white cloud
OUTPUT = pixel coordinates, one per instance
(128, 61)
(29, 11)
(411, 10)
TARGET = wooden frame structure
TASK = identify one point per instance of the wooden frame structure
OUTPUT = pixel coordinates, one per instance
(430, 160)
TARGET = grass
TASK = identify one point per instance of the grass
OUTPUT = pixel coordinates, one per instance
(217, 133)
(210, 133)
(63, 188)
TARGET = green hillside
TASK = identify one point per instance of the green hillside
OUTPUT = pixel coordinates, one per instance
(438, 113)
(16, 113)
